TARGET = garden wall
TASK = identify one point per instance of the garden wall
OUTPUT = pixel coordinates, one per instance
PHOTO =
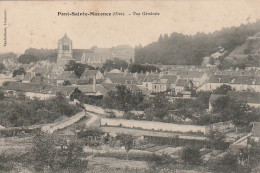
(151, 125)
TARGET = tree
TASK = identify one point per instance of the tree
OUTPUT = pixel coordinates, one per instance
(160, 107)
(163, 161)
(229, 163)
(2, 67)
(78, 68)
(127, 141)
(142, 68)
(114, 64)
(191, 155)
(19, 71)
(217, 140)
(27, 59)
(2, 95)
(56, 153)
(91, 136)
(122, 99)
(223, 89)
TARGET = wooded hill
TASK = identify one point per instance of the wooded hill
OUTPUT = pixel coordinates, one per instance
(180, 49)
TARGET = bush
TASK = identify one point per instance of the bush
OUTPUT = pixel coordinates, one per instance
(191, 155)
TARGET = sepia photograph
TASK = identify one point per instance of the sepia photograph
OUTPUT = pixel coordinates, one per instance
(119, 86)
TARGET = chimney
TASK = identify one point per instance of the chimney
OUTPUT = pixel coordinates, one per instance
(94, 83)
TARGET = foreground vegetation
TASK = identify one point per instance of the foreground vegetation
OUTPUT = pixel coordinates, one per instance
(25, 112)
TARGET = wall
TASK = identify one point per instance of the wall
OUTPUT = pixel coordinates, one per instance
(151, 125)
(62, 124)
(102, 111)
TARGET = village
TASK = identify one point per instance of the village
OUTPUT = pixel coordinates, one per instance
(155, 113)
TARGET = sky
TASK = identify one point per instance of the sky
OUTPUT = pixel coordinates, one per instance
(37, 24)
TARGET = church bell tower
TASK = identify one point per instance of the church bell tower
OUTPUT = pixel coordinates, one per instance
(65, 53)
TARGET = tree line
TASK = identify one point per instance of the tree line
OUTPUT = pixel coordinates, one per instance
(180, 49)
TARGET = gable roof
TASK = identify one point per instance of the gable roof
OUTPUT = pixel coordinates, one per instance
(66, 90)
(219, 79)
(171, 78)
(89, 89)
(23, 87)
(190, 74)
(89, 73)
(65, 75)
(182, 82)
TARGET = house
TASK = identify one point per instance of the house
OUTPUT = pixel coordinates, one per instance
(89, 74)
(120, 78)
(186, 94)
(160, 85)
(213, 98)
(69, 76)
(251, 98)
(197, 77)
(255, 133)
(181, 85)
(93, 90)
(171, 79)
(112, 87)
(51, 91)
(12, 89)
(215, 81)
(28, 76)
(239, 83)
(148, 80)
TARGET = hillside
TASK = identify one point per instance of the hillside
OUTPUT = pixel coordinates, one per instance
(179, 49)
(247, 54)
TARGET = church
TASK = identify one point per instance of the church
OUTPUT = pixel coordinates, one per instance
(95, 57)
(65, 52)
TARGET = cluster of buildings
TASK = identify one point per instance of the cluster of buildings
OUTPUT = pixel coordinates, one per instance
(44, 79)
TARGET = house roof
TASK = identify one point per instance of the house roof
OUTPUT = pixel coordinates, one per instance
(66, 90)
(171, 78)
(241, 79)
(214, 97)
(24, 87)
(115, 71)
(121, 78)
(27, 77)
(89, 88)
(109, 86)
(256, 130)
(249, 97)
(182, 82)
(219, 79)
(89, 73)
(65, 75)
(190, 74)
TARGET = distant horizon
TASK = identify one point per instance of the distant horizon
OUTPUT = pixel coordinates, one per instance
(41, 29)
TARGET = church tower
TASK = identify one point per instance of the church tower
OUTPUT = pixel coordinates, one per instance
(65, 53)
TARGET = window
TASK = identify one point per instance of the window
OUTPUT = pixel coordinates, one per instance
(65, 47)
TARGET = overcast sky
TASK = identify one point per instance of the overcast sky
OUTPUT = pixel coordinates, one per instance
(37, 25)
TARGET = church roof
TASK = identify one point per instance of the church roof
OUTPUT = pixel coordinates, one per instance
(65, 39)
